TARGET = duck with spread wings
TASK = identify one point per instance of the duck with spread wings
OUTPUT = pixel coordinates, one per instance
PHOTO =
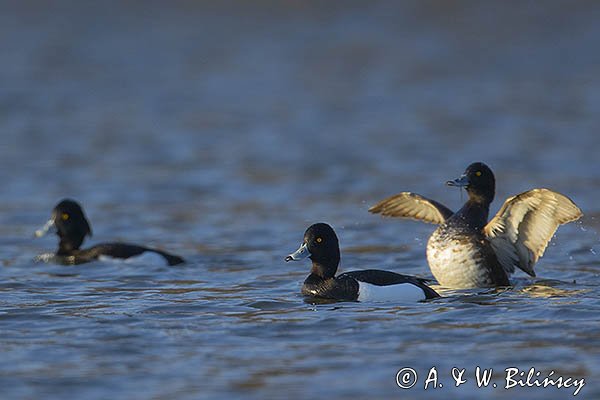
(466, 250)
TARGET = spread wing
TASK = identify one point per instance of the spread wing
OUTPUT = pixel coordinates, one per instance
(521, 230)
(414, 206)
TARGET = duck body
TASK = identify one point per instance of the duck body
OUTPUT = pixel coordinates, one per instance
(71, 226)
(368, 285)
(117, 251)
(460, 241)
(460, 257)
(466, 250)
(321, 245)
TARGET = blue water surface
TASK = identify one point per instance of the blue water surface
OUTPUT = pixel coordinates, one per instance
(221, 130)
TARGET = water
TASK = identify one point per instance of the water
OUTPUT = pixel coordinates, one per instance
(220, 132)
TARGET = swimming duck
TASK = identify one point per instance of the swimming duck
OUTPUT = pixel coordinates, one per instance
(71, 225)
(466, 250)
(321, 245)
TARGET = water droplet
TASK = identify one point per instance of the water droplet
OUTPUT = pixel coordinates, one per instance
(592, 251)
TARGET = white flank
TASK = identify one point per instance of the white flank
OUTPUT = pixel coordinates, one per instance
(149, 258)
(45, 258)
(400, 292)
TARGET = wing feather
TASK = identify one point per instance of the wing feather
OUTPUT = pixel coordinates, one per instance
(522, 229)
(414, 206)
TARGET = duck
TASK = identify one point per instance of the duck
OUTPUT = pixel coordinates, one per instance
(321, 245)
(468, 251)
(70, 223)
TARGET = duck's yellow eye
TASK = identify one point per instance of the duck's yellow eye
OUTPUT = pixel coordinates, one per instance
(64, 216)
(478, 173)
(319, 240)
